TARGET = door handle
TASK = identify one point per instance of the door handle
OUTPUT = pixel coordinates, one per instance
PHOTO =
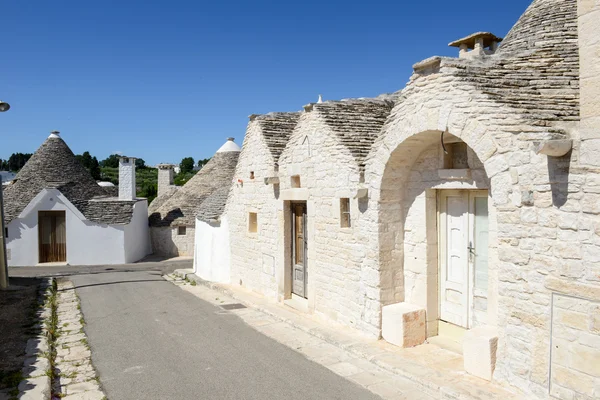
(471, 250)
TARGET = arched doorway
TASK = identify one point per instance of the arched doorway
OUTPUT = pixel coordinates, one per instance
(437, 233)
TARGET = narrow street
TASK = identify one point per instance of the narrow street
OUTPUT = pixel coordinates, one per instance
(152, 340)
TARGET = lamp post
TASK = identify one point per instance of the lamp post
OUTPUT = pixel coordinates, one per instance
(3, 262)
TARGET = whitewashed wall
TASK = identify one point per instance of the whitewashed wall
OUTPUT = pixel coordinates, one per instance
(212, 253)
(137, 234)
(253, 254)
(88, 243)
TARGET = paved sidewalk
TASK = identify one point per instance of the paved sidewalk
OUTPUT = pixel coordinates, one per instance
(75, 376)
(423, 372)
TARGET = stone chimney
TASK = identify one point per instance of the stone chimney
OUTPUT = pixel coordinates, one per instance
(165, 177)
(589, 81)
(127, 188)
(477, 45)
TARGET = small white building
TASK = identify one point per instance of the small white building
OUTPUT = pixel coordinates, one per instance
(56, 212)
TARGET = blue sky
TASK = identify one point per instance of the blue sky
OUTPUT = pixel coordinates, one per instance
(163, 80)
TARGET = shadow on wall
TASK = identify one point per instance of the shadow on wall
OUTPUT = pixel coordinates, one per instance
(156, 220)
(363, 204)
(558, 176)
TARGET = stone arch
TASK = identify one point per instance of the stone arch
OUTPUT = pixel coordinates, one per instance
(389, 172)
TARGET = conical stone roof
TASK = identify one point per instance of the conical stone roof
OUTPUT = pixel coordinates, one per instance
(186, 203)
(54, 166)
(536, 68)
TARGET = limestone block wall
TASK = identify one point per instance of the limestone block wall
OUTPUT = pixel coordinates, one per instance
(167, 242)
(254, 255)
(328, 172)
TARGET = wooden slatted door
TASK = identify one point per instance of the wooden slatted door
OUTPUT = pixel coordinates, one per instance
(299, 247)
(52, 236)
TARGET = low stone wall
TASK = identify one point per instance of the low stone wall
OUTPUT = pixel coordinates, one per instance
(167, 242)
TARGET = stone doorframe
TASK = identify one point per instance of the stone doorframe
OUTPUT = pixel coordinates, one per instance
(284, 268)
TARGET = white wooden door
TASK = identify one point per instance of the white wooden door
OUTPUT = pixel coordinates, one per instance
(463, 254)
(454, 236)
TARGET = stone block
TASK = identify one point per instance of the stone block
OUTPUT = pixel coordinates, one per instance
(479, 352)
(403, 324)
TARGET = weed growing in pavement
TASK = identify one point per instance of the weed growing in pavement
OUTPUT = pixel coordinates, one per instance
(193, 283)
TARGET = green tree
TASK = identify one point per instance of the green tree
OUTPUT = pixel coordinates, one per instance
(140, 163)
(187, 165)
(203, 162)
(111, 161)
(90, 163)
(16, 161)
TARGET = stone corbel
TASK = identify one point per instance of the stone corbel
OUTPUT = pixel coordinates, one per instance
(272, 180)
(361, 191)
(554, 147)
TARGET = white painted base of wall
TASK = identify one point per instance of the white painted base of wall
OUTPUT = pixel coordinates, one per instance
(211, 251)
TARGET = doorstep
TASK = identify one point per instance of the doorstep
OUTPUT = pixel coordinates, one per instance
(436, 370)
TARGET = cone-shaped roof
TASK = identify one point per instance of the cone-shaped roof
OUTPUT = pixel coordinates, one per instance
(186, 203)
(54, 165)
(536, 68)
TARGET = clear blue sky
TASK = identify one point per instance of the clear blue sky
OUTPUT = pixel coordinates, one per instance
(163, 80)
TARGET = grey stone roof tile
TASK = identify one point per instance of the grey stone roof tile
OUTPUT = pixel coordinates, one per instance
(277, 127)
(357, 122)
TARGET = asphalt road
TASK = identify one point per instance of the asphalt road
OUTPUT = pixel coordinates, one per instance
(152, 340)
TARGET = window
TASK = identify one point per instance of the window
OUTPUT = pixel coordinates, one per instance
(295, 181)
(181, 230)
(251, 174)
(345, 213)
(252, 222)
(456, 157)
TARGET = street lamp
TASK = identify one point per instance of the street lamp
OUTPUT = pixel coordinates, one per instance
(3, 262)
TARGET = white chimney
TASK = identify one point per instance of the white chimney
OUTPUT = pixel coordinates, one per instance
(127, 178)
(165, 177)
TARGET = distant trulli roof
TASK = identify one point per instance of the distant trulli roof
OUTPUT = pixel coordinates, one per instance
(277, 127)
(357, 122)
(54, 166)
(182, 207)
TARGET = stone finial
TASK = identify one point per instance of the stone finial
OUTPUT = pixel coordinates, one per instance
(320, 99)
(476, 45)
(54, 134)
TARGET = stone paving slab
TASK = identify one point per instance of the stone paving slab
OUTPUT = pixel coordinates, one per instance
(426, 372)
(76, 378)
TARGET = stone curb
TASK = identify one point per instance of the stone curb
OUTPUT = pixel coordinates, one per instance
(36, 384)
(414, 373)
